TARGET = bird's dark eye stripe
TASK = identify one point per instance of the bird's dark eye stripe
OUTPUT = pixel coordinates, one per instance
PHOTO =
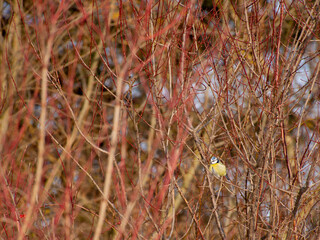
(214, 160)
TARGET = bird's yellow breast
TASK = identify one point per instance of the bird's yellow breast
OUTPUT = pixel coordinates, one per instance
(219, 169)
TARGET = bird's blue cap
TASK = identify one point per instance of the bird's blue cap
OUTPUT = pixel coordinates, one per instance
(214, 160)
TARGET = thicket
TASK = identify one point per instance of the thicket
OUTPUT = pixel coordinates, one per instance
(111, 111)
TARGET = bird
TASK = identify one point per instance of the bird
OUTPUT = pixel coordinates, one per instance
(218, 168)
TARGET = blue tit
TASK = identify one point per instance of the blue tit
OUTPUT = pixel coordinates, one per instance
(218, 168)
